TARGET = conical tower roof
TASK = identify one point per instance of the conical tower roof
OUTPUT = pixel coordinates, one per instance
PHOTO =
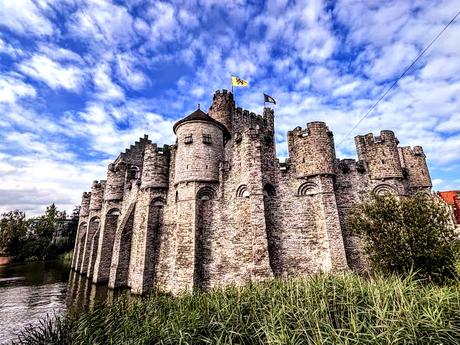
(200, 116)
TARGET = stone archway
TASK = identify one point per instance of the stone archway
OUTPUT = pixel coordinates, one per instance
(153, 242)
(204, 214)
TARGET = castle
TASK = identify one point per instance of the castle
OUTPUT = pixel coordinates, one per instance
(218, 207)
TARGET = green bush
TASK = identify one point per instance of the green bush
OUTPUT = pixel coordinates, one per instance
(405, 234)
(324, 309)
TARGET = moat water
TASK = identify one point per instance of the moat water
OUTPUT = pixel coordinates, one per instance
(32, 291)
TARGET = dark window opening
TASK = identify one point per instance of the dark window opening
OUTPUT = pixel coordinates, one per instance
(207, 138)
(188, 139)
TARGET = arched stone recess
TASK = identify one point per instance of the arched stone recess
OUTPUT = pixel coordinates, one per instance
(81, 245)
(103, 261)
(384, 189)
(93, 244)
(273, 237)
(93, 227)
(121, 256)
(242, 191)
(308, 188)
(203, 260)
(155, 230)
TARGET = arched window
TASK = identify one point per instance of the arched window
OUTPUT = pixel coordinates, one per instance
(133, 173)
(114, 212)
(307, 188)
(384, 189)
(205, 193)
(158, 202)
(242, 191)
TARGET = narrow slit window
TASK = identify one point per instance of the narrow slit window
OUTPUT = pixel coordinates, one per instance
(188, 139)
(207, 138)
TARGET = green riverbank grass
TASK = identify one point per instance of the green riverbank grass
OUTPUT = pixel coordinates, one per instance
(325, 309)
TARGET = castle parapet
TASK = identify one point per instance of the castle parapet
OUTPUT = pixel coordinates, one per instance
(413, 160)
(222, 108)
(115, 182)
(85, 200)
(97, 194)
(380, 154)
(311, 150)
(155, 173)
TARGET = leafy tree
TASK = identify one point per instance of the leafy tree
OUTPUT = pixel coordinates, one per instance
(404, 234)
(46, 225)
(13, 229)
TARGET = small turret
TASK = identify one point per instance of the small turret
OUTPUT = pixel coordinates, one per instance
(155, 172)
(85, 199)
(115, 182)
(222, 108)
(97, 194)
(380, 154)
(311, 150)
(200, 147)
(414, 162)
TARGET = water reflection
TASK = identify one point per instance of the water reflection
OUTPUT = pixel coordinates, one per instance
(83, 295)
(29, 292)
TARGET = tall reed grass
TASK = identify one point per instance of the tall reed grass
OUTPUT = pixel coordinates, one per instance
(324, 309)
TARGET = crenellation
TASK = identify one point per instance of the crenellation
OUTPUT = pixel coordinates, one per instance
(219, 208)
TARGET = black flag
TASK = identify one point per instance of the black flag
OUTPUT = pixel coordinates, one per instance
(269, 99)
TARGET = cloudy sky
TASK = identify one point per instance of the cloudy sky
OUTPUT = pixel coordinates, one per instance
(82, 80)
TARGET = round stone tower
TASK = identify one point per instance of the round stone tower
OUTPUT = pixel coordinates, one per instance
(84, 209)
(380, 154)
(200, 148)
(311, 150)
(222, 108)
(115, 182)
(155, 172)
(97, 194)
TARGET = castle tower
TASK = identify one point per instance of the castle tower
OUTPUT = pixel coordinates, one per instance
(95, 206)
(222, 108)
(414, 162)
(311, 151)
(312, 157)
(115, 182)
(155, 172)
(113, 198)
(380, 154)
(81, 231)
(200, 148)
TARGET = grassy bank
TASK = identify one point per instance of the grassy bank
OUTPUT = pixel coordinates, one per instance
(66, 258)
(325, 309)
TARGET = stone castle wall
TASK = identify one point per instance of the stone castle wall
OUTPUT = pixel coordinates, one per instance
(218, 207)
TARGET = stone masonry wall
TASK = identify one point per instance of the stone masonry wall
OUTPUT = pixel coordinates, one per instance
(208, 212)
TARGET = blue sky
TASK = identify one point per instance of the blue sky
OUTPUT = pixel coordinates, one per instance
(82, 80)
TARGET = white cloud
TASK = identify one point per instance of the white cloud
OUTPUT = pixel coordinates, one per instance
(25, 17)
(106, 89)
(12, 89)
(54, 74)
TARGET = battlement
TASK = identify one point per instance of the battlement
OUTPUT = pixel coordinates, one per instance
(414, 163)
(311, 150)
(155, 173)
(381, 155)
(85, 200)
(386, 136)
(222, 108)
(97, 194)
(133, 154)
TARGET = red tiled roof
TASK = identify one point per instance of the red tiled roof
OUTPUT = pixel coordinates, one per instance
(449, 196)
